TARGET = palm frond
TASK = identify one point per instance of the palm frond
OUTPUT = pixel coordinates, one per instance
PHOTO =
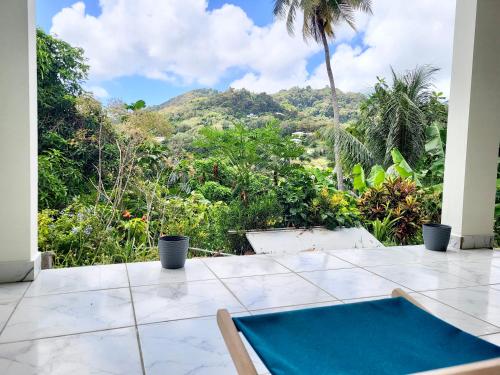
(319, 15)
(352, 150)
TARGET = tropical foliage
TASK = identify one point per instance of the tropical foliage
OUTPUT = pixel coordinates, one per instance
(213, 165)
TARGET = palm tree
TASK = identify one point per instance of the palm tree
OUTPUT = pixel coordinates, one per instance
(320, 18)
(396, 115)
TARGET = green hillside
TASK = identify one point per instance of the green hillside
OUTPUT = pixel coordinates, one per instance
(298, 109)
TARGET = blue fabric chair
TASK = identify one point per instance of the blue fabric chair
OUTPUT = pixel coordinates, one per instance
(388, 336)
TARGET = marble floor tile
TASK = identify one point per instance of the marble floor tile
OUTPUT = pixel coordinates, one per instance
(69, 313)
(6, 308)
(482, 302)
(351, 283)
(78, 279)
(450, 254)
(481, 272)
(105, 352)
(10, 294)
(296, 307)
(419, 277)
(13, 291)
(311, 261)
(238, 266)
(156, 303)
(188, 347)
(268, 291)
(150, 273)
(494, 339)
(376, 257)
(455, 317)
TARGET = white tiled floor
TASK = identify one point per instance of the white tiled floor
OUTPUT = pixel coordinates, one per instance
(140, 319)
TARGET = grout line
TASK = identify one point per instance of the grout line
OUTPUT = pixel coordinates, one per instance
(462, 311)
(201, 317)
(317, 286)
(135, 324)
(281, 273)
(227, 288)
(65, 335)
(251, 275)
(164, 283)
(2, 329)
(77, 291)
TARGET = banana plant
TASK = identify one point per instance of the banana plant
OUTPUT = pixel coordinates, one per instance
(377, 176)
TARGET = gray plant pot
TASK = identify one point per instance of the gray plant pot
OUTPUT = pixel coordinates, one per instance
(436, 236)
(173, 251)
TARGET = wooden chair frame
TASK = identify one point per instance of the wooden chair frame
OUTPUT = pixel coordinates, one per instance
(245, 366)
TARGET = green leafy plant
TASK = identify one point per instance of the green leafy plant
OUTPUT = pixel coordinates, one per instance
(214, 191)
(59, 179)
(396, 199)
(261, 212)
(383, 230)
(377, 176)
(334, 209)
(295, 193)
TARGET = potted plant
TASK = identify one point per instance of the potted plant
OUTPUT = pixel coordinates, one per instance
(173, 251)
(436, 236)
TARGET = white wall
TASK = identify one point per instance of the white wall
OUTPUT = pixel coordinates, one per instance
(473, 121)
(18, 134)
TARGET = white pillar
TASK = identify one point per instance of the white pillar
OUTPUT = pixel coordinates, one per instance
(19, 258)
(473, 125)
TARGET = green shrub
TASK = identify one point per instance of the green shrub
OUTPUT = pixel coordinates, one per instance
(203, 221)
(215, 192)
(83, 234)
(333, 209)
(295, 192)
(262, 212)
(59, 179)
(397, 199)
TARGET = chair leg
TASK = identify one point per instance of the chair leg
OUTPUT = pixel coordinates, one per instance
(398, 292)
(237, 350)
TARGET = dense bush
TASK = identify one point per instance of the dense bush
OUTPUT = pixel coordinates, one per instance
(214, 191)
(82, 234)
(334, 209)
(398, 204)
(295, 193)
(261, 212)
(59, 179)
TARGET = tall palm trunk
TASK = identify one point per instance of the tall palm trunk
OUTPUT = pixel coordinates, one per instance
(335, 105)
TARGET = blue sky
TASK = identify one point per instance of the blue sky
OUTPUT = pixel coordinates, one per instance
(135, 87)
(145, 49)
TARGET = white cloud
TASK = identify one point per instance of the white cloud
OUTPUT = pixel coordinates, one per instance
(400, 34)
(99, 92)
(182, 42)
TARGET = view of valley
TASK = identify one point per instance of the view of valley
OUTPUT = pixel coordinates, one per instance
(212, 164)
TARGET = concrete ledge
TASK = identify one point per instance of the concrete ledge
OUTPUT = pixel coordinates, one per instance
(478, 241)
(15, 271)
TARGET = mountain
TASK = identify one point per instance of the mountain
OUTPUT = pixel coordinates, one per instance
(298, 109)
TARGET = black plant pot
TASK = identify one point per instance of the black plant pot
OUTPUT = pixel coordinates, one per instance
(436, 236)
(173, 251)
